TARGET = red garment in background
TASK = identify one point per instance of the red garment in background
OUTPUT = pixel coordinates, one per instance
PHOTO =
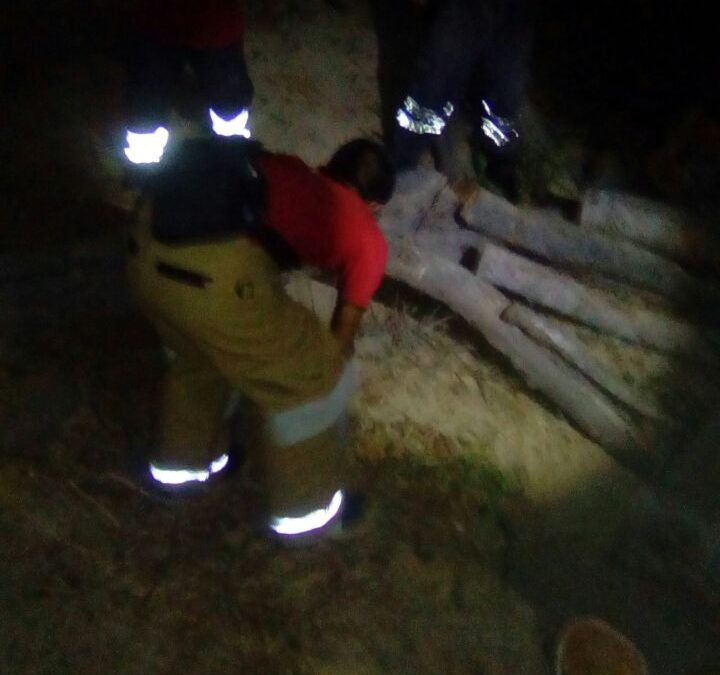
(199, 24)
(327, 225)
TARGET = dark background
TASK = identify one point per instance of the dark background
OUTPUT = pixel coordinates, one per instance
(636, 78)
(639, 63)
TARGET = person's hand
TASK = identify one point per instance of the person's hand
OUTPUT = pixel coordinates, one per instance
(344, 324)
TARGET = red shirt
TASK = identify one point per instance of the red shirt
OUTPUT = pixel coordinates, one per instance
(327, 225)
(199, 24)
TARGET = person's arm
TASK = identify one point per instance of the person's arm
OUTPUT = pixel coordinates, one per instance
(358, 276)
(345, 323)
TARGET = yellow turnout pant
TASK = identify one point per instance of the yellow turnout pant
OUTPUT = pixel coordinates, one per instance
(221, 308)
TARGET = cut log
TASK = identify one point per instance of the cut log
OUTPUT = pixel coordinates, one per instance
(481, 305)
(443, 280)
(549, 236)
(561, 293)
(660, 227)
(565, 341)
(421, 198)
(450, 244)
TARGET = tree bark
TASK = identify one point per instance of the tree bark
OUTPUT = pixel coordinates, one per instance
(561, 293)
(660, 227)
(565, 341)
(552, 238)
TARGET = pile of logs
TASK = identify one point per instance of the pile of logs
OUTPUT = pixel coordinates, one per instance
(508, 270)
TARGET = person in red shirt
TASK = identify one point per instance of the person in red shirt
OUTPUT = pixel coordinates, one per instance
(217, 301)
(326, 218)
(170, 45)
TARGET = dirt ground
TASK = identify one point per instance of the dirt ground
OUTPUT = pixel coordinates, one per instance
(492, 521)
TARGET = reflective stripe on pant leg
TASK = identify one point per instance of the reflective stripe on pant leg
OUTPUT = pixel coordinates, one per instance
(309, 419)
(182, 476)
(310, 522)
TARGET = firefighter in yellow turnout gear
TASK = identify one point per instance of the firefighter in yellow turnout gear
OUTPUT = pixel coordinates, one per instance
(219, 305)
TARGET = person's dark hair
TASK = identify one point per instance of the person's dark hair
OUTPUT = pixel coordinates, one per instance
(365, 166)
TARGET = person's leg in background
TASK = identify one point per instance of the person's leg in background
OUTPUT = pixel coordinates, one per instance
(163, 39)
(445, 64)
(498, 90)
(401, 28)
(226, 89)
(152, 71)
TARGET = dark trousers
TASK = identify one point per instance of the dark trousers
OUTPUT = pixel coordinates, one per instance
(476, 49)
(462, 51)
(162, 77)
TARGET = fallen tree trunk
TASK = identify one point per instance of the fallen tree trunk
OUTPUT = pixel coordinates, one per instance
(481, 305)
(563, 294)
(660, 227)
(565, 341)
(557, 240)
(452, 245)
(444, 280)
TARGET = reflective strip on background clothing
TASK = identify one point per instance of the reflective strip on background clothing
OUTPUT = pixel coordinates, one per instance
(420, 120)
(233, 126)
(146, 148)
(499, 130)
(464, 52)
